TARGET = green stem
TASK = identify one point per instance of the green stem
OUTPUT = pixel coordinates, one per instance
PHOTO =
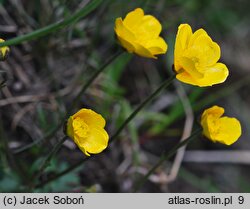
(47, 136)
(132, 115)
(55, 26)
(69, 169)
(165, 157)
(165, 84)
(49, 156)
(92, 78)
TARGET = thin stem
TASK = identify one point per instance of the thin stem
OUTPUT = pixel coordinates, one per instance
(92, 78)
(165, 157)
(165, 84)
(47, 136)
(73, 105)
(49, 156)
(132, 115)
(55, 26)
(69, 169)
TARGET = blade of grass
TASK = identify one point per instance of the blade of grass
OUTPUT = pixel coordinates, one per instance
(176, 112)
(206, 185)
(55, 26)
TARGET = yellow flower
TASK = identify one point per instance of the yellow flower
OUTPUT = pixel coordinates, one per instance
(196, 58)
(139, 33)
(86, 128)
(224, 130)
(4, 51)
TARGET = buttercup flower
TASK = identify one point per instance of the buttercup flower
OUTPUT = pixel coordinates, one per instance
(224, 130)
(86, 128)
(196, 58)
(139, 33)
(3, 51)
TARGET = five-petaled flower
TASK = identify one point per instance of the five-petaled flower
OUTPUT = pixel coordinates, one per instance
(224, 130)
(196, 58)
(4, 51)
(139, 33)
(86, 128)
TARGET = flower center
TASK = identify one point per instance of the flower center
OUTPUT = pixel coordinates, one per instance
(195, 60)
(81, 129)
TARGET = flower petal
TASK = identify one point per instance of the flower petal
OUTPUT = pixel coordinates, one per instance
(189, 66)
(70, 130)
(186, 78)
(157, 46)
(91, 118)
(126, 44)
(183, 36)
(208, 121)
(182, 39)
(215, 111)
(229, 131)
(149, 28)
(124, 35)
(195, 35)
(144, 52)
(213, 75)
(133, 19)
(96, 142)
(204, 50)
(4, 51)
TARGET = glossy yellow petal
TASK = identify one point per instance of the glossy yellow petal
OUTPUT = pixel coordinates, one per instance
(80, 127)
(144, 52)
(189, 66)
(204, 51)
(69, 128)
(229, 130)
(127, 45)
(183, 36)
(209, 127)
(122, 30)
(133, 19)
(186, 78)
(139, 34)
(213, 75)
(90, 117)
(157, 46)
(124, 35)
(86, 128)
(224, 130)
(215, 111)
(182, 39)
(149, 28)
(96, 142)
(4, 51)
(195, 35)
(196, 58)
(209, 120)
